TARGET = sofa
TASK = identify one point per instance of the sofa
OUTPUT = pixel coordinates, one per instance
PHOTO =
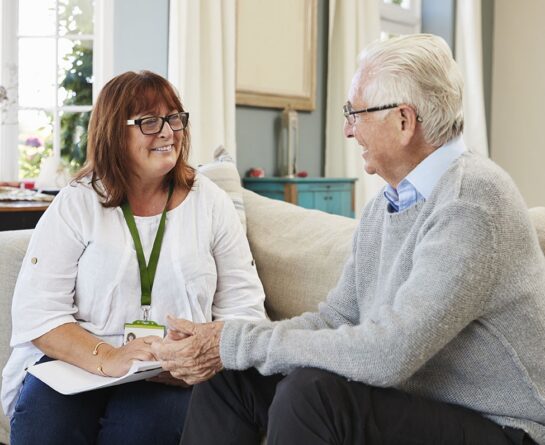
(299, 255)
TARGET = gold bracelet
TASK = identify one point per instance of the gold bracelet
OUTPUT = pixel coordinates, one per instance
(101, 371)
(95, 351)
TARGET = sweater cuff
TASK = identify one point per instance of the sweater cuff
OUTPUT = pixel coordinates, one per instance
(243, 344)
(228, 343)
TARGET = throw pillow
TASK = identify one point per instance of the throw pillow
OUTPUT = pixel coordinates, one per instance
(224, 173)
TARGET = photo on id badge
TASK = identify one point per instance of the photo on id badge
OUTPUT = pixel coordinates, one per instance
(141, 328)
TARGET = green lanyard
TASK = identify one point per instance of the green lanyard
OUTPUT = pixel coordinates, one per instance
(147, 272)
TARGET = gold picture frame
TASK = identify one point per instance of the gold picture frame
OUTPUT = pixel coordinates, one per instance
(276, 53)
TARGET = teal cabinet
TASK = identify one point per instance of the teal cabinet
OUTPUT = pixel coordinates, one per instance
(331, 195)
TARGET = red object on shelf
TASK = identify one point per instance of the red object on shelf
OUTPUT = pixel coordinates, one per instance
(29, 185)
(255, 172)
(302, 174)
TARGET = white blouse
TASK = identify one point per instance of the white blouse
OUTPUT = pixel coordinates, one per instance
(81, 266)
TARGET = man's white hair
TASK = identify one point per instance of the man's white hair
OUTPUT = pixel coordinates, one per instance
(417, 70)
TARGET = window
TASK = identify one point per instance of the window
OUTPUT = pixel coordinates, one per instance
(398, 17)
(49, 72)
(55, 43)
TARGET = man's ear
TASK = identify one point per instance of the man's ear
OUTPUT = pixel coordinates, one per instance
(408, 121)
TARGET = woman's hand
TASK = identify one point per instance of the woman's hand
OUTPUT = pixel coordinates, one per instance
(116, 362)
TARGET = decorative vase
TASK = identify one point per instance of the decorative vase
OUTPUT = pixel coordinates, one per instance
(288, 144)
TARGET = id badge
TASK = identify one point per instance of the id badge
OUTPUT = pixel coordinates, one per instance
(142, 328)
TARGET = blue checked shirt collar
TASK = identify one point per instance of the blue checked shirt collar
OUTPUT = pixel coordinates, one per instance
(419, 183)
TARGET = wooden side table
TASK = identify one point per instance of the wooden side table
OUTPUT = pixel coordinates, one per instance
(16, 215)
(331, 195)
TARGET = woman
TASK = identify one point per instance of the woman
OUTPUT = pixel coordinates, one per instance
(88, 272)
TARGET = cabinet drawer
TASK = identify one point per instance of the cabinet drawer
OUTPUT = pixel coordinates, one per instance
(332, 195)
(321, 187)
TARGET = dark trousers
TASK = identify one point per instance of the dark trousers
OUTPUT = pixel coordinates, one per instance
(312, 406)
(134, 413)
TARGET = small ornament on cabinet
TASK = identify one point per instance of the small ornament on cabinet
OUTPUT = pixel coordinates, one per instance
(255, 172)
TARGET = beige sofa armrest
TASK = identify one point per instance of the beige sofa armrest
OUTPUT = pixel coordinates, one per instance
(13, 245)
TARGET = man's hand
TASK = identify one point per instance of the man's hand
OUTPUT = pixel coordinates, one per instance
(166, 378)
(190, 351)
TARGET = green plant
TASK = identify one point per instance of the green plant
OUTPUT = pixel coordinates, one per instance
(32, 150)
(77, 82)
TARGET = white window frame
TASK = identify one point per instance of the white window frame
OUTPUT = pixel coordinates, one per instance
(102, 72)
(9, 153)
(395, 19)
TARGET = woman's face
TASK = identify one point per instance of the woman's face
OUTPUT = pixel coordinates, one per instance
(153, 156)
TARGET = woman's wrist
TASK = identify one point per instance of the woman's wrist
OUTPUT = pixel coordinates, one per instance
(102, 351)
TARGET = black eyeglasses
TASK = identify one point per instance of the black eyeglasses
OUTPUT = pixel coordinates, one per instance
(155, 124)
(350, 114)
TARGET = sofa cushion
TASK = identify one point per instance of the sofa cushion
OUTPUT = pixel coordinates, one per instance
(299, 253)
(223, 172)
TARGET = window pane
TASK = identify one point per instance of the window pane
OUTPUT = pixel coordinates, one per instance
(75, 17)
(75, 72)
(37, 17)
(37, 86)
(35, 141)
(74, 138)
(403, 3)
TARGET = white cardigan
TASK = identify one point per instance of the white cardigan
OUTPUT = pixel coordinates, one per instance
(81, 266)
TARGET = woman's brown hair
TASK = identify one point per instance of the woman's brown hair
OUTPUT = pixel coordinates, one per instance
(122, 97)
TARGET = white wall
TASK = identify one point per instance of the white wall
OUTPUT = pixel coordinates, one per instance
(518, 95)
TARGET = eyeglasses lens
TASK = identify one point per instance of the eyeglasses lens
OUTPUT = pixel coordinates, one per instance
(350, 118)
(153, 125)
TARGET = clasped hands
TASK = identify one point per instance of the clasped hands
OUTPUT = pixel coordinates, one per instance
(190, 351)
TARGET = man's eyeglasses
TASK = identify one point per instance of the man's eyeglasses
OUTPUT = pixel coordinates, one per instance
(154, 124)
(350, 114)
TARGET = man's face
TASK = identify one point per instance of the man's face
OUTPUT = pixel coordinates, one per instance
(376, 133)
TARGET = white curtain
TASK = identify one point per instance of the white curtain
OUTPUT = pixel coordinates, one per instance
(352, 25)
(469, 56)
(201, 64)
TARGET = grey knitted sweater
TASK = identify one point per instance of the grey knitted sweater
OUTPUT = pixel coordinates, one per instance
(445, 300)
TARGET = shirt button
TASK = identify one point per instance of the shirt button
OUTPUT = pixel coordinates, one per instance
(34, 260)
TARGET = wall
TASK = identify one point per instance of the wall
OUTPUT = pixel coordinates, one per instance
(487, 23)
(438, 18)
(257, 128)
(140, 36)
(518, 94)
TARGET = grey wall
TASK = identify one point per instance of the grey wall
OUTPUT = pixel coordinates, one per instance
(487, 13)
(141, 35)
(257, 128)
(438, 18)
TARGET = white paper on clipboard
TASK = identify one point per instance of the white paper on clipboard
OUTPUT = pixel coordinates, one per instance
(69, 379)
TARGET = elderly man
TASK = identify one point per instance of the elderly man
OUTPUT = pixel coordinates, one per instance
(435, 332)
